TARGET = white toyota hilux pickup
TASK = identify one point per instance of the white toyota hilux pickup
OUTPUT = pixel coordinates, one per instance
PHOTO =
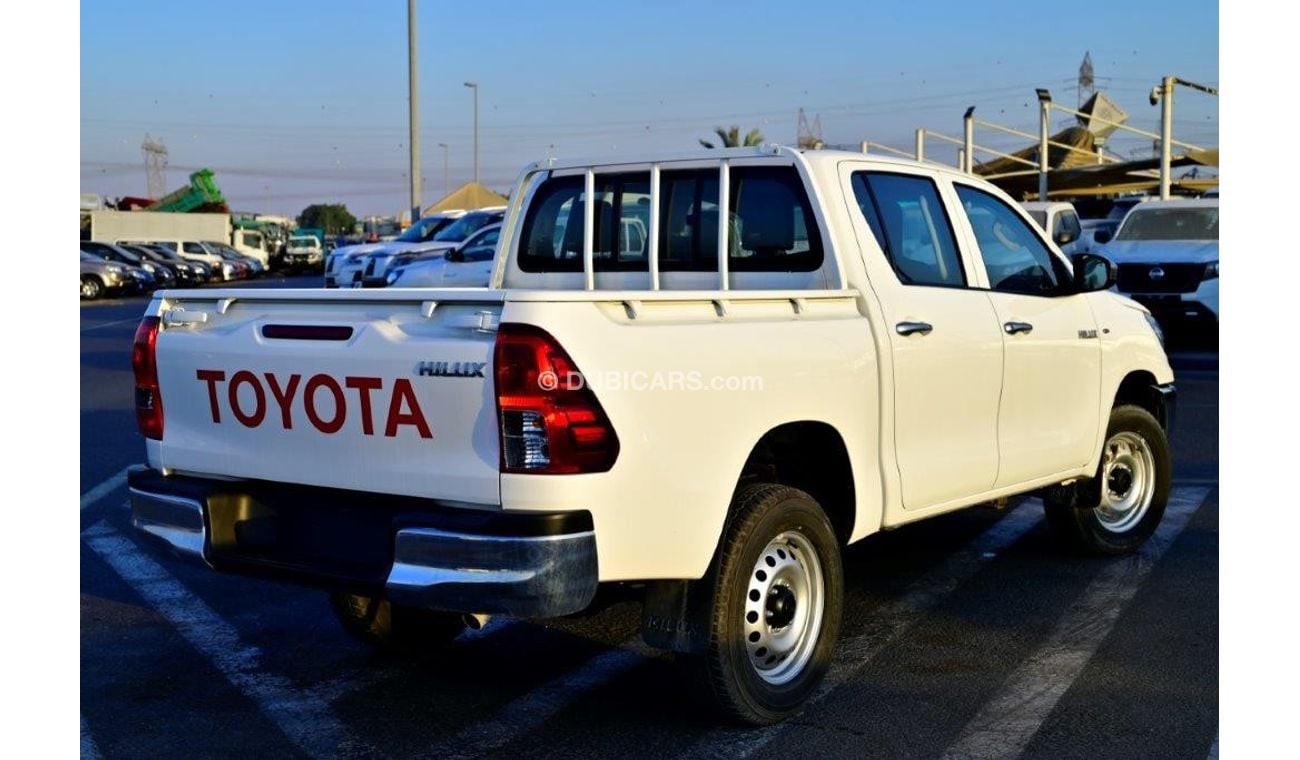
(882, 342)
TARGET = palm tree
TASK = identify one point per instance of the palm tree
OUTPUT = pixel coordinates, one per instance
(731, 138)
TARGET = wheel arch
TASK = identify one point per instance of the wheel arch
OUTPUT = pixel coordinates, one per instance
(1137, 388)
(809, 455)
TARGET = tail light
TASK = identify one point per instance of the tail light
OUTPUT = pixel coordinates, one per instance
(550, 422)
(144, 361)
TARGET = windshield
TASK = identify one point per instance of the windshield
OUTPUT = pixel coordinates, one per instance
(423, 230)
(462, 228)
(1201, 223)
(304, 242)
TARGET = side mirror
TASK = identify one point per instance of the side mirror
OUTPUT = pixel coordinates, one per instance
(1102, 236)
(1093, 272)
(455, 257)
(1064, 236)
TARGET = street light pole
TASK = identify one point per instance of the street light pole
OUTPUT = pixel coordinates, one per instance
(414, 98)
(474, 86)
(446, 176)
(968, 141)
(1044, 137)
(1166, 134)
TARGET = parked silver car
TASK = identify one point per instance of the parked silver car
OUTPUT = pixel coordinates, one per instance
(100, 277)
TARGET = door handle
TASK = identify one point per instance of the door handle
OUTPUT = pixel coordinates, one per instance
(1017, 327)
(907, 328)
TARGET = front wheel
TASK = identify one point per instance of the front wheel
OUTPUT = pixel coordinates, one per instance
(91, 287)
(777, 591)
(1119, 509)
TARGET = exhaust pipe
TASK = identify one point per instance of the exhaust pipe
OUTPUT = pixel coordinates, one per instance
(475, 621)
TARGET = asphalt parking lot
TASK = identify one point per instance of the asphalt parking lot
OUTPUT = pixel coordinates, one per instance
(970, 635)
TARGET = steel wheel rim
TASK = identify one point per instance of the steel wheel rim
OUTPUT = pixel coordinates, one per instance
(785, 600)
(1128, 482)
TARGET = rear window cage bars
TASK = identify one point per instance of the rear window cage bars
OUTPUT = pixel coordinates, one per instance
(532, 175)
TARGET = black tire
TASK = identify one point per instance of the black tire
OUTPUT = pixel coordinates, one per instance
(759, 515)
(1076, 513)
(92, 288)
(393, 628)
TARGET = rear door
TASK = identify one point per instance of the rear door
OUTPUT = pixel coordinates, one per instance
(378, 391)
(1051, 389)
(942, 333)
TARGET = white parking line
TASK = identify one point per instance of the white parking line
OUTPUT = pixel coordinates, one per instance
(110, 324)
(1007, 722)
(304, 718)
(886, 623)
(534, 709)
(103, 489)
(89, 750)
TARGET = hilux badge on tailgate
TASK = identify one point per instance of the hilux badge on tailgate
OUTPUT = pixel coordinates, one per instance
(450, 369)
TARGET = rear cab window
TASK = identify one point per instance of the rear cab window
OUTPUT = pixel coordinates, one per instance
(771, 223)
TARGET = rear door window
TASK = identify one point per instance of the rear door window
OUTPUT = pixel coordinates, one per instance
(908, 219)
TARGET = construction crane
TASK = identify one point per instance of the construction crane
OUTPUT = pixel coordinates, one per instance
(810, 136)
(155, 166)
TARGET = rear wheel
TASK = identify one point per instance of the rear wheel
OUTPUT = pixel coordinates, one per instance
(1119, 509)
(91, 287)
(393, 628)
(776, 589)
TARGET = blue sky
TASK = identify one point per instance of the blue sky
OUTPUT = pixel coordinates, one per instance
(294, 103)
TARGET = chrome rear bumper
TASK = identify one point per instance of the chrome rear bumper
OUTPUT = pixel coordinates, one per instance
(413, 551)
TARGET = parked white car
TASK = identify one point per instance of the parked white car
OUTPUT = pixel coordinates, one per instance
(344, 266)
(1167, 253)
(376, 264)
(1061, 223)
(468, 265)
(810, 347)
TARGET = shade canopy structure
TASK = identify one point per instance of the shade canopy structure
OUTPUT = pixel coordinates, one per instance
(1075, 171)
(467, 197)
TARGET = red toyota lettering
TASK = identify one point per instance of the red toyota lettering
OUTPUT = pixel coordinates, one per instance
(284, 396)
(403, 405)
(212, 377)
(243, 376)
(403, 393)
(309, 401)
(364, 385)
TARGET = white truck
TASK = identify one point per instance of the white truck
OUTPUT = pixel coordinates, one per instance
(303, 251)
(1061, 223)
(175, 228)
(883, 342)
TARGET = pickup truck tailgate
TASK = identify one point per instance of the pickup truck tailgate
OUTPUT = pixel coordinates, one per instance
(381, 391)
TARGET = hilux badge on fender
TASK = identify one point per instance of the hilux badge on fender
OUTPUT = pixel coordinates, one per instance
(450, 369)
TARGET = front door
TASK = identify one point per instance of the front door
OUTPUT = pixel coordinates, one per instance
(1051, 387)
